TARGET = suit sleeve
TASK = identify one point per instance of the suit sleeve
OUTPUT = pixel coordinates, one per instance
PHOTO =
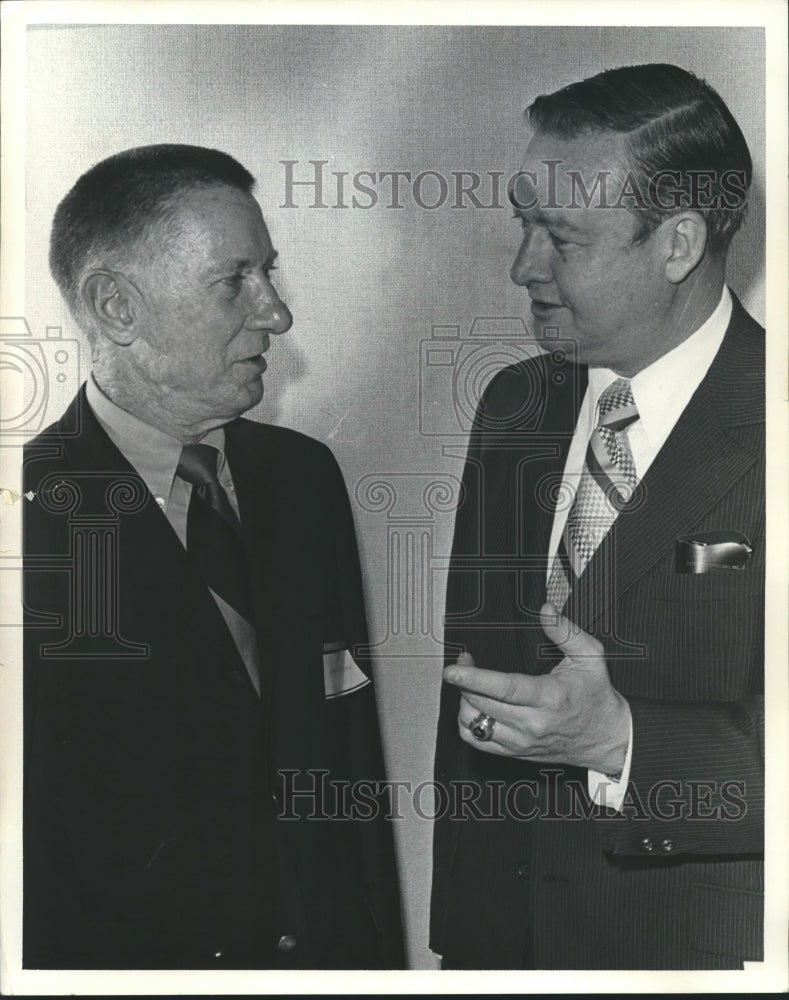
(450, 754)
(696, 782)
(365, 757)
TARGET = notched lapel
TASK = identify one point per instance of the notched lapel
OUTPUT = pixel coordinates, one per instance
(697, 466)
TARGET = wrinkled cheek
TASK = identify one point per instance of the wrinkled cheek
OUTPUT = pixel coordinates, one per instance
(163, 369)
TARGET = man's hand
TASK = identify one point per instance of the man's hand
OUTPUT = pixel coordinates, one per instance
(571, 716)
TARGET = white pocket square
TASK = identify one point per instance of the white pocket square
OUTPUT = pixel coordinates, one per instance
(340, 673)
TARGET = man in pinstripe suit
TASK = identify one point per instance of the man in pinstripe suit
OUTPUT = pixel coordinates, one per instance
(600, 736)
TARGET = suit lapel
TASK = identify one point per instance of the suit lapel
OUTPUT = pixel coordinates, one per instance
(163, 593)
(699, 463)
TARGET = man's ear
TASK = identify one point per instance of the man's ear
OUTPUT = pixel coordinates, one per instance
(111, 300)
(687, 233)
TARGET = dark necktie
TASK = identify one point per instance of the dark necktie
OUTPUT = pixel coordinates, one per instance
(607, 482)
(213, 531)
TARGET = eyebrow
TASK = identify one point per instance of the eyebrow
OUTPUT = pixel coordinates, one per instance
(539, 217)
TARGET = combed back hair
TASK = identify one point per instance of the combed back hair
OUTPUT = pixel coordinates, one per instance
(118, 202)
(672, 121)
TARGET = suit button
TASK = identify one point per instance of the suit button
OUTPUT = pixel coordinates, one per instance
(667, 846)
(287, 942)
(647, 846)
(523, 869)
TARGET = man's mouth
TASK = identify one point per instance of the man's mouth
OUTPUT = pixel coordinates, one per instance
(257, 360)
(540, 307)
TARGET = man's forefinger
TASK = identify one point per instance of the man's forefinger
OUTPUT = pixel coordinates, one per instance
(514, 689)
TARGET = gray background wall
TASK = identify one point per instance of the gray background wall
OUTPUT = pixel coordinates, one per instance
(366, 286)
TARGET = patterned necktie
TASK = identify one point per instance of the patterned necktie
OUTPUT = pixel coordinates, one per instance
(213, 531)
(607, 483)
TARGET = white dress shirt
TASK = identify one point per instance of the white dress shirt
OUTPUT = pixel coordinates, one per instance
(155, 456)
(661, 392)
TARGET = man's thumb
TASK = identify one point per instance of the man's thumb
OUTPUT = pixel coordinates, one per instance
(565, 634)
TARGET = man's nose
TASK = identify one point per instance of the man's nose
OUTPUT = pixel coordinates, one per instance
(533, 260)
(268, 311)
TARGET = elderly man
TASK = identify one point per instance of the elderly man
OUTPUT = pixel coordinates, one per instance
(194, 607)
(602, 711)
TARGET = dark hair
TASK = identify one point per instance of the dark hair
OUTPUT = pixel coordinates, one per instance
(120, 199)
(673, 121)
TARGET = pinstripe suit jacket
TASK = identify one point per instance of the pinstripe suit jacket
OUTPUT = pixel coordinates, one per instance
(526, 872)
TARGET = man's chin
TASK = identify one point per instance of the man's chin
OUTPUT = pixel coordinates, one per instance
(554, 337)
(249, 395)
(553, 322)
(234, 402)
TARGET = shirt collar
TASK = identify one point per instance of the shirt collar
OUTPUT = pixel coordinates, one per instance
(663, 389)
(153, 453)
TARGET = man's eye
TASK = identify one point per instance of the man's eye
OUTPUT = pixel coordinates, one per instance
(519, 218)
(560, 244)
(233, 281)
(269, 268)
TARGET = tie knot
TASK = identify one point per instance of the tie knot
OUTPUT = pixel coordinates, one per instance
(198, 464)
(617, 407)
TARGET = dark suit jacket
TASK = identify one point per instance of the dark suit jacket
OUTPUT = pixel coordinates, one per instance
(153, 771)
(675, 879)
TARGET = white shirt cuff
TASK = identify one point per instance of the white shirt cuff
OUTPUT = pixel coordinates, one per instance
(607, 791)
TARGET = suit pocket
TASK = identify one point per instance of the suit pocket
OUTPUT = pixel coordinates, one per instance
(727, 921)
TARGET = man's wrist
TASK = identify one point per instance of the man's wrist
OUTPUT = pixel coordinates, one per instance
(616, 758)
(609, 789)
